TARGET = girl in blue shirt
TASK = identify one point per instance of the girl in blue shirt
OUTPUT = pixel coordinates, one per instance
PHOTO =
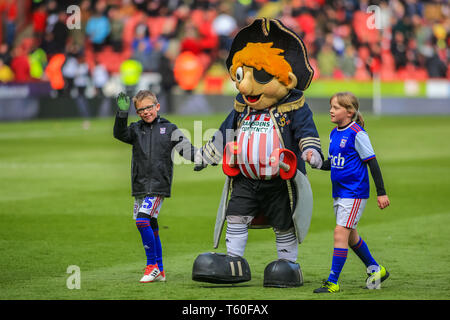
(350, 153)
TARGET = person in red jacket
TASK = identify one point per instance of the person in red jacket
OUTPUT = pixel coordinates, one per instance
(39, 18)
(20, 65)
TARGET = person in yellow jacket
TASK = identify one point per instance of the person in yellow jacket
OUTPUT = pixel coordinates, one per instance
(38, 60)
(6, 74)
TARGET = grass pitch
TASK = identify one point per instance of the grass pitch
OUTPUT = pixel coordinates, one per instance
(65, 200)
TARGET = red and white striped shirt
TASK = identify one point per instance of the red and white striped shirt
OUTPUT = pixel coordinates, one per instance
(257, 139)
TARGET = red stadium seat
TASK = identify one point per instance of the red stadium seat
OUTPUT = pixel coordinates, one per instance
(362, 74)
(387, 74)
(213, 84)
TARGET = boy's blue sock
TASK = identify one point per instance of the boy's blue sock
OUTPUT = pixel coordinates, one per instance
(362, 251)
(148, 239)
(158, 251)
(339, 258)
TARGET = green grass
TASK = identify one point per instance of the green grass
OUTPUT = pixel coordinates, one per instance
(65, 200)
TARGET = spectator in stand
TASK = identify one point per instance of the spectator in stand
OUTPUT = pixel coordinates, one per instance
(422, 31)
(241, 10)
(224, 25)
(191, 40)
(141, 38)
(436, 68)
(39, 18)
(52, 15)
(288, 19)
(100, 77)
(20, 65)
(143, 48)
(81, 82)
(6, 74)
(82, 78)
(165, 68)
(69, 70)
(117, 26)
(38, 60)
(60, 32)
(10, 9)
(209, 41)
(5, 54)
(54, 74)
(98, 27)
(78, 36)
(373, 63)
(412, 53)
(413, 7)
(152, 7)
(49, 44)
(327, 60)
(347, 62)
(398, 49)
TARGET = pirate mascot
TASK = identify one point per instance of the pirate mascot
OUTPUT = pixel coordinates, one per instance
(261, 144)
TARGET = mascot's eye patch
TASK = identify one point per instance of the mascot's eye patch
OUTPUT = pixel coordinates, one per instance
(262, 76)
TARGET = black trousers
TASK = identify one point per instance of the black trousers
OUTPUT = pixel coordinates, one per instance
(268, 197)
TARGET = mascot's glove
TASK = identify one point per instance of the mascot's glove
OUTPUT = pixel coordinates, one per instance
(200, 163)
(312, 156)
(123, 101)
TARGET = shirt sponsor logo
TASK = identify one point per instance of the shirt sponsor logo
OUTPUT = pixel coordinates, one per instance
(337, 161)
(255, 126)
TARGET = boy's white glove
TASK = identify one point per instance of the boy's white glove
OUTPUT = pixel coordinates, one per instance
(312, 156)
(200, 164)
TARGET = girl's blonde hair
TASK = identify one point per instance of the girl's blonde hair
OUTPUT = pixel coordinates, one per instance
(349, 101)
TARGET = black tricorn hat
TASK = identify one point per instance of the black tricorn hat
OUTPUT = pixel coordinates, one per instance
(271, 30)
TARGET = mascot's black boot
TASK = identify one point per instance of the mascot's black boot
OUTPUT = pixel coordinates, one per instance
(283, 274)
(220, 268)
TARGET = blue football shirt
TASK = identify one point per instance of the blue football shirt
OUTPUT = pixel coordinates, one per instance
(349, 150)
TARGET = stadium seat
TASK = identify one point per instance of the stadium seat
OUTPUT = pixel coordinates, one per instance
(213, 84)
(387, 74)
(362, 74)
(421, 74)
(338, 74)
(161, 25)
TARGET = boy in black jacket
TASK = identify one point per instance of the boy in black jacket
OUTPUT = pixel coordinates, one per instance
(153, 138)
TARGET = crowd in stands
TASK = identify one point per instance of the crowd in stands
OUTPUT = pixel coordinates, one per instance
(346, 39)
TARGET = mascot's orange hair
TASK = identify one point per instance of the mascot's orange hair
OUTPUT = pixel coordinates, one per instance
(262, 55)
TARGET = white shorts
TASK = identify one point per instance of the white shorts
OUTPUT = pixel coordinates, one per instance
(147, 205)
(348, 211)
